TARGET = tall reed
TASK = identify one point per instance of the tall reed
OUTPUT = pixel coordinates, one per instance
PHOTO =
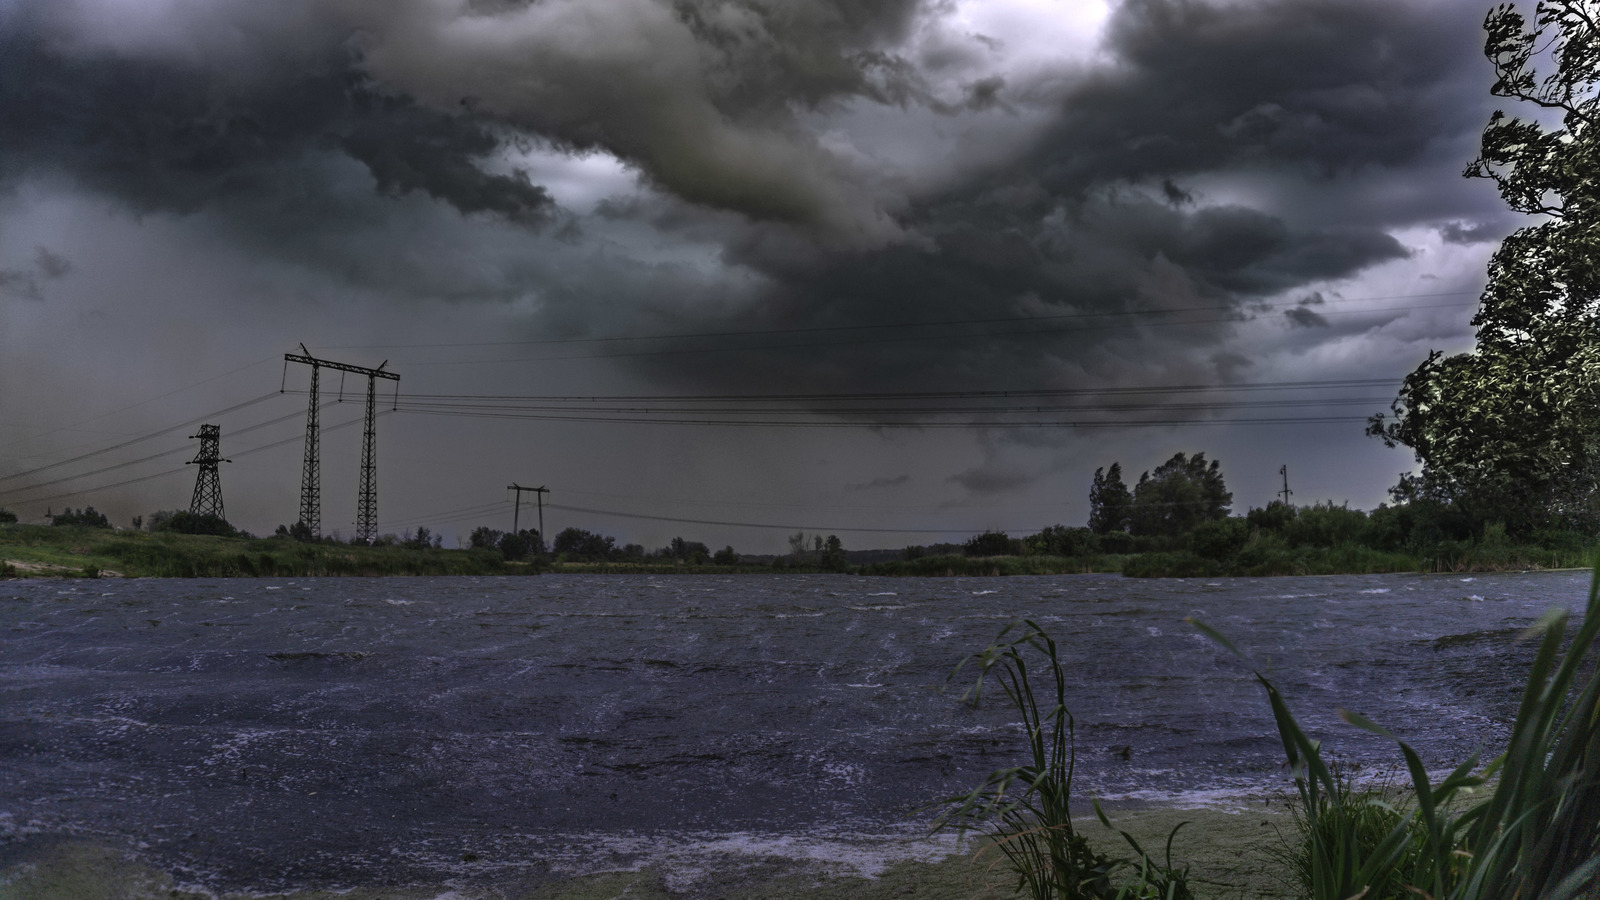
(1026, 810)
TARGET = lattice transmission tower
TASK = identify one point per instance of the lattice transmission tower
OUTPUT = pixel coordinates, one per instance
(207, 500)
(311, 467)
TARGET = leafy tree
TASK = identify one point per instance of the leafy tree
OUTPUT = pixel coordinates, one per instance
(575, 543)
(992, 543)
(1058, 540)
(519, 545)
(1109, 501)
(726, 557)
(688, 551)
(1511, 431)
(485, 538)
(80, 518)
(833, 556)
(1183, 492)
(7, 517)
(184, 522)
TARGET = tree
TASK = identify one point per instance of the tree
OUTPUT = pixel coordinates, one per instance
(1510, 431)
(1182, 493)
(485, 538)
(80, 518)
(575, 543)
(833, 555)
(1109, 501)
(992, 543)
(7, 517)
(727, 556)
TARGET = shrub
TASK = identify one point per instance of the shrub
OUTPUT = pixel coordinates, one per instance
(992, 543)
(1220, 540)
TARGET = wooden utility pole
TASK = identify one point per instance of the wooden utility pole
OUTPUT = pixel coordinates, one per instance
(516, 517)
(1284, 471)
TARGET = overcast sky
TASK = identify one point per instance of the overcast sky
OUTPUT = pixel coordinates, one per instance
(768, 197)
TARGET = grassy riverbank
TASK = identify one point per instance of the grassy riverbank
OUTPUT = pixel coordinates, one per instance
(51, 551)
(44, 550)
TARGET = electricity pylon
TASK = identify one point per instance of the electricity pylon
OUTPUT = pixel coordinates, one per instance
(516, 517)
(311, 469)
(207, 500)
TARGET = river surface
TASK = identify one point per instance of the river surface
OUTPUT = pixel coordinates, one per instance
(274, 734)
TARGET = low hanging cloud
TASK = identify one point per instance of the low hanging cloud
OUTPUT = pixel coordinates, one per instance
(1147, 180)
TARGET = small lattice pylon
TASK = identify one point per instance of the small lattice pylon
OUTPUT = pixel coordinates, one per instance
(207, 500)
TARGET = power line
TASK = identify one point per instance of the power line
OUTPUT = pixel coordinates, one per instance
(1029, 332)
(1315, 384)
(143, 459)
(141, 438)
(779, 423)
(144, 402)
(163, 474)
(761, 332)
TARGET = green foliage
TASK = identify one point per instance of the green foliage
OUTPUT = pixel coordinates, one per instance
(1220, 539)
(1026, 809)
(7, 517)
(1058, 540)
(726, 556)
(1110, 504)
(577, 544)
(185, 522)
(1326, 525)
(1534, 835)
(80, 518)
(992, 543)
(1511, 431)
(1180, 494)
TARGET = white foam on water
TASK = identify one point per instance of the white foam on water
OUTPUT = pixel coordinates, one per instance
(1375, 591)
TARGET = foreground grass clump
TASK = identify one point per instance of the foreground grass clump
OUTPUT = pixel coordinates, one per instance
(1535, 835)
(1026, 810)
(90, 552)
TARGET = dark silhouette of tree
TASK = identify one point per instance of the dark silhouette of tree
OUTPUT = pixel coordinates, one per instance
(1183, 492)
(726, 557)
(833, 555)
(1109, 501)
(80, 518)
(1511, 431)
(577, 544)
(7, 517)
(992, 543)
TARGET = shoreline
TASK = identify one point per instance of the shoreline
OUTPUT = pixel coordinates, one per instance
(1228, 848)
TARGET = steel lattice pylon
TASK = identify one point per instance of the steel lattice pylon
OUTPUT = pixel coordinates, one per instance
(207, 500)
(311, 467)
(367, 504)
(311, 472)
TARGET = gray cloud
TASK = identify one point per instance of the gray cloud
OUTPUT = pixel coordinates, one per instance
(884, 481)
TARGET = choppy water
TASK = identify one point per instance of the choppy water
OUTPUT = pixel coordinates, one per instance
(267, 734)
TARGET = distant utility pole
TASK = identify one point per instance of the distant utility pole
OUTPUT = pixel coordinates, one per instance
(1284, 471)
(311, 468)
(207, 499)
(516, 517)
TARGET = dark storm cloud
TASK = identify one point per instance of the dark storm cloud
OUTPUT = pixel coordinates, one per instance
(1091, 217)
(169, 135)
(1325, 85)
(883, 481)
(1110, 207)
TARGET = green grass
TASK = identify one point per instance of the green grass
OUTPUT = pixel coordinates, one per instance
(1534, 835)
(1025, 811)
(42, 550)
